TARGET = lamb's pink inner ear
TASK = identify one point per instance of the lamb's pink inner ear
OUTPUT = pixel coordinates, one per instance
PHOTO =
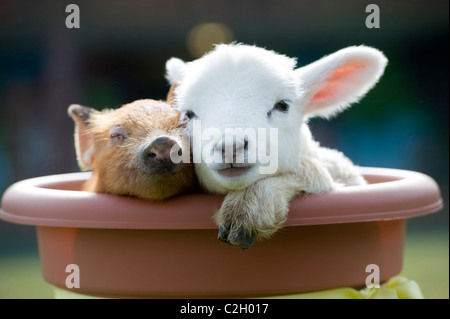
(336, 85)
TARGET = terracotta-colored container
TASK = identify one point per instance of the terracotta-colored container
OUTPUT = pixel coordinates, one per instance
(126, 247)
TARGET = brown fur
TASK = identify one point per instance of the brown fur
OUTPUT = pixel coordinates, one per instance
(116, 163)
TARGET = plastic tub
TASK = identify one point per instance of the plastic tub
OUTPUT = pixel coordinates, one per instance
(127, 247)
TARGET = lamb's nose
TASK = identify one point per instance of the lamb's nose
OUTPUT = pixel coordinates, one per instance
(235, 153)
(157, 155)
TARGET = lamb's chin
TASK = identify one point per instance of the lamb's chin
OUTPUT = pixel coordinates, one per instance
(216, 183)
(234, 171)
(236, 178)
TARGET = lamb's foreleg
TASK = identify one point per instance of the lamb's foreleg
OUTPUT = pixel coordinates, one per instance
(259, 210)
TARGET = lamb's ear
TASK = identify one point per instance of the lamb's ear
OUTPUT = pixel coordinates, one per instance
(84, 142)
(171, 94)
(175, 70)
(335, 81)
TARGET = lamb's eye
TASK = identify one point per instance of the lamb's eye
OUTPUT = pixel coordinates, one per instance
(281, 106)
(117, 134)
(190, 115)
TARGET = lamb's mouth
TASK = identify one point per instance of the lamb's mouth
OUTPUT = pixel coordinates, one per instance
(233, 171)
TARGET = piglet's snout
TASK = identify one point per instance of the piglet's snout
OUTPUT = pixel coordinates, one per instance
(156, 157)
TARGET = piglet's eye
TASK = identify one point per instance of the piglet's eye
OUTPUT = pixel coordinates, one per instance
(190, 115)
(117, 134)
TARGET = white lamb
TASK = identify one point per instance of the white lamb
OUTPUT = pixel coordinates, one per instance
(257, 90)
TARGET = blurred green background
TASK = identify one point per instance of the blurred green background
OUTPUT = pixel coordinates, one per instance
(118, 55)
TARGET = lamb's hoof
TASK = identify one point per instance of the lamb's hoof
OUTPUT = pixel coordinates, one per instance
(241, 238)
(223, 233)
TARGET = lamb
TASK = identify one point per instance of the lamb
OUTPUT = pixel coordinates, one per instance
(131, 150)
(238, 86)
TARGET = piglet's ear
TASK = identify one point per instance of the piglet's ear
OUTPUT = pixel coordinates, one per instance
(171, 94)
(335, 81)
(84, 143)
(175, 70)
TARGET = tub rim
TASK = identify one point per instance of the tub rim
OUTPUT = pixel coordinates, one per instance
(390, 194)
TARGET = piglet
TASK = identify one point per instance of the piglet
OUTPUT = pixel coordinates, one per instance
(134, 150)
